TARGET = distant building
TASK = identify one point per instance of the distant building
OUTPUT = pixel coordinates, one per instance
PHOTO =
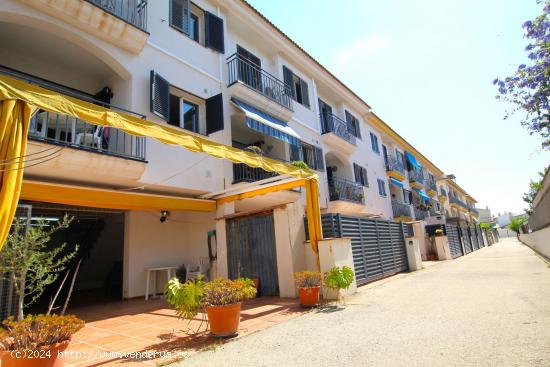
(485, 215)
(504, 219)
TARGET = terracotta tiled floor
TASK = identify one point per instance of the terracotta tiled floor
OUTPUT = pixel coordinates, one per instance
(114, 330)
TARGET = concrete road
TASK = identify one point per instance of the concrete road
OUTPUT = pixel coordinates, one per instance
(489, 308)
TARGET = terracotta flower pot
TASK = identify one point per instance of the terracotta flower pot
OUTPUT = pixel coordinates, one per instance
(309, 296)
(42, 357)
(224, 320)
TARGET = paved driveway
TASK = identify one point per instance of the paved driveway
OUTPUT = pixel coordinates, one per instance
(489, 308)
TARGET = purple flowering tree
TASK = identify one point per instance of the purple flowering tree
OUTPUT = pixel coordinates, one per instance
(528, 89)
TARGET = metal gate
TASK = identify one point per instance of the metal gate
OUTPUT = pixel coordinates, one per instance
(473, 238)
(251, 251)
(480, 237)
(455, 246)
(378, 246)
(465, 238)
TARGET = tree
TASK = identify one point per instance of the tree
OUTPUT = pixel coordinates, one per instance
(534, 187)
(29, 260)
(528, 89)
(516, 223)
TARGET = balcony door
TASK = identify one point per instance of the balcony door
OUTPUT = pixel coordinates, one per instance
(250, 68)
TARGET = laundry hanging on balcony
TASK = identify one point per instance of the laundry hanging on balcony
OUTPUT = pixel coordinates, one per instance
(422, 194)
(267, 124)
(395, 182)
(413, 161)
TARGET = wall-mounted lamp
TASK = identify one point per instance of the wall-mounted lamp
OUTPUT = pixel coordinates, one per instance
(163, 215)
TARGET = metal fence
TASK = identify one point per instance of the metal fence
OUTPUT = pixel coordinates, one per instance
(331, 123)
(378, 245)
(244, 173)
(454, 239)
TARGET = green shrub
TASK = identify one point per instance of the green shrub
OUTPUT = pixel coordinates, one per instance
(339, 278)
(221, 292)
(36, 331)
(300, 164)
(307, 279)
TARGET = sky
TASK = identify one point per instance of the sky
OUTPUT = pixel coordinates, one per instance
(426, 68)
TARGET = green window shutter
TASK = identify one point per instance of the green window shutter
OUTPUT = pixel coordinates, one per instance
(288, 77)
(364, 177)
(214, 114)
(319, 159)
(214, 36)
(179, 15)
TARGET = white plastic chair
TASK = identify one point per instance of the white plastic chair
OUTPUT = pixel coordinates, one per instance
(91, 140)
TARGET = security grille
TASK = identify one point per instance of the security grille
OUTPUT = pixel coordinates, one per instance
(453, 237)
(378, 246)
(480, 237)
(473, 237)
(465, 237)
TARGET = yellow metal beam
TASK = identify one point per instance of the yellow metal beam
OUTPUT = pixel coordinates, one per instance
(110, 199)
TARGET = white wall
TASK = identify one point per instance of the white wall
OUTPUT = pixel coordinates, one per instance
(149, 243)
(538, 241)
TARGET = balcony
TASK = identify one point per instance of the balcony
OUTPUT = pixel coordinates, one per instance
(416, 179)
(256, 86)
(473, 211)
(442, 195)
(244, 173)
(458, 204)
(120, 22)
(342, 189)
(337, 133)
(401, 211)
(395, 168)
(431, 188)
(420, 214)
(71, 132)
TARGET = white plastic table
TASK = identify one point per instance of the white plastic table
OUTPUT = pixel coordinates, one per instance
(170, 271)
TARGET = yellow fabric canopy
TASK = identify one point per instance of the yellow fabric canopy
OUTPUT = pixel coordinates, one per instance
(15, 127)
(110, 199)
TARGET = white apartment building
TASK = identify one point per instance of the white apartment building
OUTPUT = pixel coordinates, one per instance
(221, 70)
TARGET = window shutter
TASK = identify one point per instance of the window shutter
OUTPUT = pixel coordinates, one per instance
(214, 32)
(179, 15)
(319, 161)
(357, 129)
(288, 77)
(364, 177)
(175, 104)
(305, 93)
(160, 96)
(214, 114)
(357, 173)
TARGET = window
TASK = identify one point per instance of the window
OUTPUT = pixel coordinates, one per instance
(374, 143)
(353, 125)
(309, 154)
(201, 26)
(184, 114)
(382, 187)
(194, 27)
(298, 87)
(407, 196)
(401, 158)
(360, 175)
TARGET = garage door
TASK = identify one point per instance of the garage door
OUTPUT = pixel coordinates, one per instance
(378, 245)
(455, 245)
(251, 251)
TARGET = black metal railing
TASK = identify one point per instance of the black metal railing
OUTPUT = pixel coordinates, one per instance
(73, 132)
(244, 173)
(420, 214)
(331, 123)
(342, 189)
(242, 70)
(416, 176)
(455, 200)
(401, 209)
(393, 164)
(431, 185)
(133, 12)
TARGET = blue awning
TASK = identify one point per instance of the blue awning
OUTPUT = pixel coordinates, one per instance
(395, 182)
(413, 161)
(422, 194)
(267, 124)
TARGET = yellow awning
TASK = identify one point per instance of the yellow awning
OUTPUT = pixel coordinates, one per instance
(110, 199)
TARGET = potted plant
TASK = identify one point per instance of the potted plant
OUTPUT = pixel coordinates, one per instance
(337, 279)
(220, 299)
(300, 164)
(37, 340)
(309, 286)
